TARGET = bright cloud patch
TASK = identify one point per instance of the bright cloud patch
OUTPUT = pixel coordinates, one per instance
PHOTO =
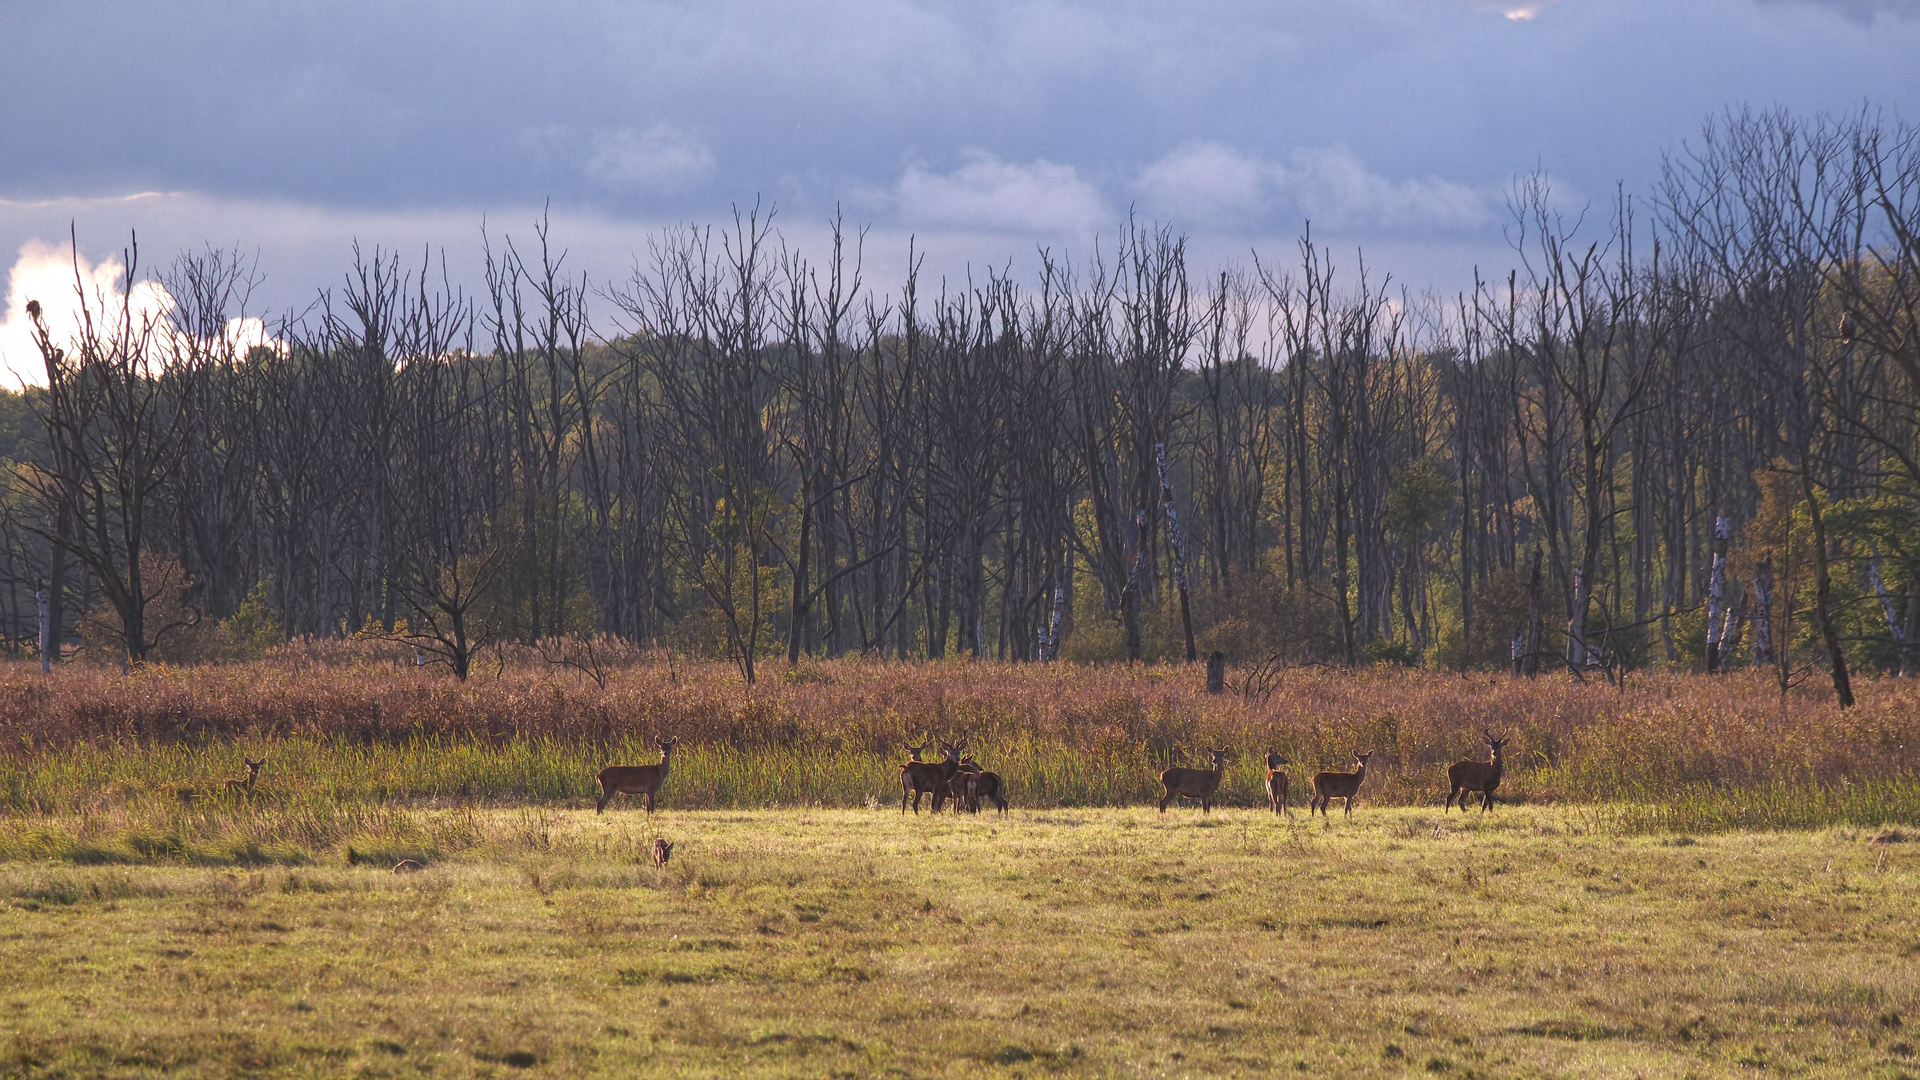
(66, 287)
(1211, 184)
(660, 159)
(993, 195)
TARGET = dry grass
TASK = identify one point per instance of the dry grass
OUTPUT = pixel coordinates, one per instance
(828, 733)
(1048, 943)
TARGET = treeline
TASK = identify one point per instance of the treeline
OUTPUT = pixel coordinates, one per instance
(747, 452)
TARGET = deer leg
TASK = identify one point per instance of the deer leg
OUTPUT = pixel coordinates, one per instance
(649, 803)
(605, 798)
(1349, 801)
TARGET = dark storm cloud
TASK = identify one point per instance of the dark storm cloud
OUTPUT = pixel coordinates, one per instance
(1395, 122)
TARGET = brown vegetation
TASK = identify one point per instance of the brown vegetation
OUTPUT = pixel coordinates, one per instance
(1580, 740)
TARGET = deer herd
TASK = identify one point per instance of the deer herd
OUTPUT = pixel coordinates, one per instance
(960, 780)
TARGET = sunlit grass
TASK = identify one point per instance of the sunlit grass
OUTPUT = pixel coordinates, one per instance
(1070, 942)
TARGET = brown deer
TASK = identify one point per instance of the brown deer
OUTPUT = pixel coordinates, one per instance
(662, 851)
(634, 779)
(1195, 783)
(961, 786)
(1328, 786)
(987, 785)
(408, 866)
(243, 789)
(1480, 776)
(1277, 783)
(919, 778)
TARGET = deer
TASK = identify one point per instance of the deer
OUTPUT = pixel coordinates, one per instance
(634, 779)
(408, 866)
(662, 851)
(961, 786)
(1277, 783)
(1328, 786)
(243, 789)
(1195, 783)
(987, 785)
(929, 777)
(972, 784)
(1480, 776)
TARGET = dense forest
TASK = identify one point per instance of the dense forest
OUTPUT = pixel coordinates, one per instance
(1684, 432)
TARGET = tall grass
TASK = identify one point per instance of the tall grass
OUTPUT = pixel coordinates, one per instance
(353, 733)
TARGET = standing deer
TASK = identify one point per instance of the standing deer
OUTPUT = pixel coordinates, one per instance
(1195, 783)
(662, 851)
(1480, 776)
(929, 778)
(961, 786)
(987, 785)
(1277, 783)
(972, 783)
(1328, 786)
(634, 779)
(243, 789)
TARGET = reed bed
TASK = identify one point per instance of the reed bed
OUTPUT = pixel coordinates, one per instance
(107, 766)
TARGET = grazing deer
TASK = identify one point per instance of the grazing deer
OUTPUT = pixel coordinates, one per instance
(243, 789)
(1328, 786)
(634, 779)
(662, 851)
(408, 866)
(929, 778)
(1277, 783)
(1480, 776)
(1195, 783)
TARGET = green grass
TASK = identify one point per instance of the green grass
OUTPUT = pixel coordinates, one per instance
(117, 801)
(1535, 941)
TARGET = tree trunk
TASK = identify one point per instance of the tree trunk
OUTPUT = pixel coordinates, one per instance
(1822, 591)
(1536, 616)
(1763, 611)
(1716, 593)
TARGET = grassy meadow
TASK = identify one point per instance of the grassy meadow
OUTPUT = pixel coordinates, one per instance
(1074, 942)
(1685, 876)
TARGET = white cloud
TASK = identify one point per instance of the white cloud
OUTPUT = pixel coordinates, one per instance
(991, 195)
(69, 289)
(660, 159)
(1209, 183)
(1212, 184)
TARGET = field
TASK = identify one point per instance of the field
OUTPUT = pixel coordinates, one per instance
(1685, 877)
(1047, 943)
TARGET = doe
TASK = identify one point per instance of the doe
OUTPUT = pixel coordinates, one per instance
(1277, 783)
(1328, 786)
(1195, 783)
(1477, 776)
(243, 789)
(634, 779)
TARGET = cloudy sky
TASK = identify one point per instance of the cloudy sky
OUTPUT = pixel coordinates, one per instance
(984, 128)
